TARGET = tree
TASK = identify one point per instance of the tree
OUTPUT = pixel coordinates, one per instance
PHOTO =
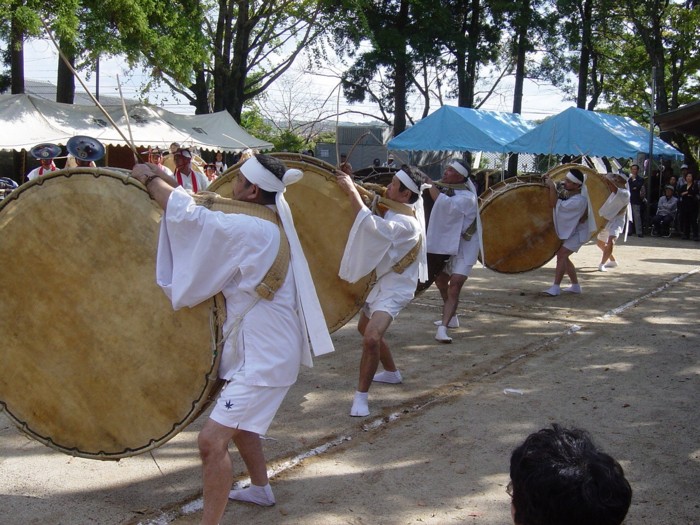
(248, 45)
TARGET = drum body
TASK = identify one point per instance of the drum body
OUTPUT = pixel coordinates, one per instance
(518, 223)
(518, 226)
(95, 362)
(323, 218)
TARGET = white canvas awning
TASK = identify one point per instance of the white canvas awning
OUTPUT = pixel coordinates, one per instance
(26, 121)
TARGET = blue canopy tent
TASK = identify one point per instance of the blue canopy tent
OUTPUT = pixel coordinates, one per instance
(453, 128)
(577, 131)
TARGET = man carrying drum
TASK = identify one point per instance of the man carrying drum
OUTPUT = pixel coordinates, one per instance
(252, 256)
(574, 223)
(615, 210)
(393, 245)
(454, 230)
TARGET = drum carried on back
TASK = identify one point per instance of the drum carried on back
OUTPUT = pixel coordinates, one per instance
(518, 226)
(96, 363)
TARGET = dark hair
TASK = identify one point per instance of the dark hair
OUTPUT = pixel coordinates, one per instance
(559, 478)
(415, 177)
(274, 166)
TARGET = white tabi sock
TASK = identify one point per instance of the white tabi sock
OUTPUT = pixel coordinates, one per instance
(454, 322)
(393, 378)
(360, 406)
(262, 496)
(574, 288)
(553, 290)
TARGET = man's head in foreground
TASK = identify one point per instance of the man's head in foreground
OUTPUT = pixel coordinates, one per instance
(559, 477)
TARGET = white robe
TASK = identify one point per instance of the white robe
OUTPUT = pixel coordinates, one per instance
(378, 243)
(567, 216)
(37, 172)
(449, 218)
(201, 253)
(615, 205)
(202, 181)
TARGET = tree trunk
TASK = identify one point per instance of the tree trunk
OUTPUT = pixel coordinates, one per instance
(401, 72)
(584, 59)
(65, 81)
(16, 57)
(519, 76)
(472, 53)
(234, 94)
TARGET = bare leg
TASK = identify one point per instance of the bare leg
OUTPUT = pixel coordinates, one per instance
(454, 288)
(373, 331)
(571, 271)
(217, 469)
(564, 266)
(442, 281)
(607, 247)
(250, 448)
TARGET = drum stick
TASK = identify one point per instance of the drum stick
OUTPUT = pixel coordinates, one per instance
(92, 97)
(126, 115)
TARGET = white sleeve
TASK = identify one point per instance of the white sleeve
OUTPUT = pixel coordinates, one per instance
(187, 268)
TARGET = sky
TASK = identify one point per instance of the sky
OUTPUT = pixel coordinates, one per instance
(539, 100)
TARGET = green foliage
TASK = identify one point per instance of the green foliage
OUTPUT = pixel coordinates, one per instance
(287, 140)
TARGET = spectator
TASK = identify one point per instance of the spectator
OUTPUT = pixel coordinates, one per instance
(44, 153)
(688, 207)
(665, 214)
(219, 164)
(637, 199)
(559, 477)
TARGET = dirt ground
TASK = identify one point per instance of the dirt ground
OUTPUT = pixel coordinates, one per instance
(622, 361)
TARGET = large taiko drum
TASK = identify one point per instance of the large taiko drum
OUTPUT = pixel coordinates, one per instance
(518, 224)
(323, 218)
(95, 362)
(518, 227)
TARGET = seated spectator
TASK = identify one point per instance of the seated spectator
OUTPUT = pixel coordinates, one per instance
(665, 213)
(558, 477)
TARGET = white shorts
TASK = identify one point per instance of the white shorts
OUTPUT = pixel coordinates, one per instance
(574, 243)
(247, 407)
(390, 294)
(613, 228)
(459, 265)
(605, 234)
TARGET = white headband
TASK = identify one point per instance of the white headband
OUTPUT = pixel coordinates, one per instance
(457, 166)
(264, 179)
(574, 178)
(407, 181)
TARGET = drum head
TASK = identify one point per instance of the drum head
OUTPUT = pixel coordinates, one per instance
(518, 227)
(323, 219)
(95, 362)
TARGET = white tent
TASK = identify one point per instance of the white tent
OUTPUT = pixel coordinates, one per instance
(26, 121)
